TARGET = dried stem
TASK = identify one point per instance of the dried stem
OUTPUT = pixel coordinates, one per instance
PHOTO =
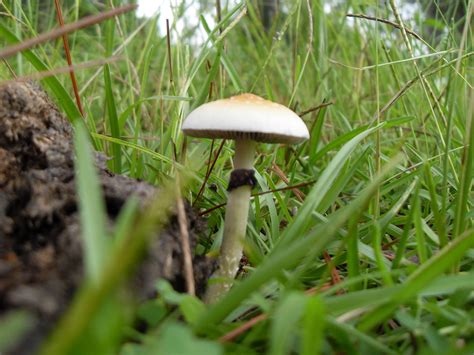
(168, 43)
(387, 22)
(186, 248)
(68, 57)
(209, 171)
(315, 108)
(58, 32)
(61, 70)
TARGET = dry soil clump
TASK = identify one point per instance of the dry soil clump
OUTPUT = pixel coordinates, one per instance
(40, 244)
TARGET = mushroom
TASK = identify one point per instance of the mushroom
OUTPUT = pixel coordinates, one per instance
(247, 119)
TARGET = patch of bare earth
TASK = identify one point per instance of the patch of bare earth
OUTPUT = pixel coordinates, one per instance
(40, 245)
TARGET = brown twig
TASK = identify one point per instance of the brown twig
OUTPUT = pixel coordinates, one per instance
(219, 13)
(387, 22)
(303, 184)
(315, 108)
(261, 317)
(184, 238)
(68, 57)
(209, 171)
(210, 157)
(168, 43)
(10, 69)
(58, 32)
(209, 210)
(336, 279)
(411, 82)
(298, 193)
(61, 70)
(243, 328)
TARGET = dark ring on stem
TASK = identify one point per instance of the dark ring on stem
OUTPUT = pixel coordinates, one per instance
(242, 177)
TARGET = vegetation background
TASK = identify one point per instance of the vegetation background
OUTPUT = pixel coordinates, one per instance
(371, 252)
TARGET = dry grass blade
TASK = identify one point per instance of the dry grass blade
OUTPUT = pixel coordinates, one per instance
(243, 328)
(209, 171)
(61, 70)
(68, 57)
(261, 317)
(186, 248)
(315, 108)
(58, 32)
(10, 69)
(388, 22)
(335, 277)
(411, 82)
(168, 43)
(298, 193)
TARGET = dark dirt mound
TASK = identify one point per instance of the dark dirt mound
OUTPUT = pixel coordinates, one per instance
(40, 244)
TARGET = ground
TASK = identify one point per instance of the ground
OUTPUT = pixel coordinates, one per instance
(40, 240)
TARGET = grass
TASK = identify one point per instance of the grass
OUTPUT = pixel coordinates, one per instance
(386, 177)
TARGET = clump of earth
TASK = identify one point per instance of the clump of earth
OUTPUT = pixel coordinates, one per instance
(40, 236)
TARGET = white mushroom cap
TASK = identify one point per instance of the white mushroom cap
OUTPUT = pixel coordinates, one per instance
(246, 116)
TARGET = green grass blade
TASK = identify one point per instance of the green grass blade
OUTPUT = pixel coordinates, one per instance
(427, 272)
(464, 195)
(419, 233)
(401, 249)
(312, 330)
(91, 205)
(150, 152)
(285, 320)
(379, 257)
(325, 181)
(116, 163)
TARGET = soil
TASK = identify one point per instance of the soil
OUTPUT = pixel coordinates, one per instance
(40, 243)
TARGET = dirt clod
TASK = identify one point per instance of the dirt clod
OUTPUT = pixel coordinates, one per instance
(40, 243)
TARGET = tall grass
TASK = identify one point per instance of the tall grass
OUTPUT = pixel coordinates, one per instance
(388, 165)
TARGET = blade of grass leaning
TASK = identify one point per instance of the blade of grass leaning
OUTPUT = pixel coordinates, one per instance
(285, 320)
(116, 163)
(337, 142)
(91, 205)
(350, 168)
(395, 209)
(438, 219)
(376, 346)
(322, 186)
(464, 194)
(313, 327)
(226, 63)
(427, 272)
(239, 10)
(204, 91)
(419, 233)
(401, 248)
(369, 298)
(150, 152)
(316, 131)
(123, 117)
(379, 256)
(352, 245)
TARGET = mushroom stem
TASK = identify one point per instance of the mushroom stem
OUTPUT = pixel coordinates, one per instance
(235, 225)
